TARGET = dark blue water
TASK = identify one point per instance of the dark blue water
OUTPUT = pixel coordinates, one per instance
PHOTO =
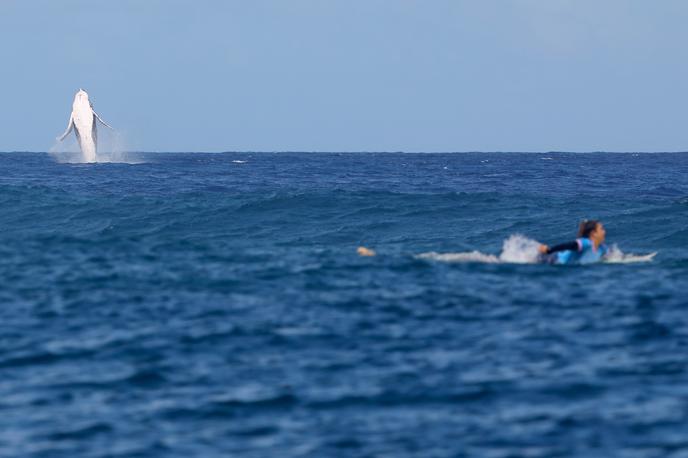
(191, 305)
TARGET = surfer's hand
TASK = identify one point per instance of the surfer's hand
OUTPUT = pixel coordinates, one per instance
(543, 248)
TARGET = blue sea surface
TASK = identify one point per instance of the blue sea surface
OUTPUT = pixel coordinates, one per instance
(212, 305)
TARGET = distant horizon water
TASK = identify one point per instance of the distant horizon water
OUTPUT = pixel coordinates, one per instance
(367, 152)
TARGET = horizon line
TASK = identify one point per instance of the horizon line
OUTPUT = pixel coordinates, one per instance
(357, 152)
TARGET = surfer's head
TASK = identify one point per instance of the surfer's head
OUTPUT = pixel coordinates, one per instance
(593, 230)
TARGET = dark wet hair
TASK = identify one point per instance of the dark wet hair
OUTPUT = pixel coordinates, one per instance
(586, 227)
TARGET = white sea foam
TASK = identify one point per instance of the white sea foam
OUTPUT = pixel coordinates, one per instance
(616, 256)
(518, 249)
(472, 256)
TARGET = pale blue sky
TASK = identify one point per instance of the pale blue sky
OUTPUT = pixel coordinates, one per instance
(350, 75)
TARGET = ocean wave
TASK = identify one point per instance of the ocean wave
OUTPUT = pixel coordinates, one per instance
(224, 304)
(85, 431)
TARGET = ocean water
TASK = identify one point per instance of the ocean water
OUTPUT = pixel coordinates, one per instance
(214, 305)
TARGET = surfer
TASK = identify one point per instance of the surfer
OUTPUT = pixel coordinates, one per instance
(589, 247)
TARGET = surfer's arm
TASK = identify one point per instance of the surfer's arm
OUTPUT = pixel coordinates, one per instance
(102, 122)
(70, 126)
(568, 246)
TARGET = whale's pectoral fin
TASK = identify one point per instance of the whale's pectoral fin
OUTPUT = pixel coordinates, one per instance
(70, 126)
(102, 122)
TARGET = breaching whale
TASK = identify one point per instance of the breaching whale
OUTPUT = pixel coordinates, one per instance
(83, 121)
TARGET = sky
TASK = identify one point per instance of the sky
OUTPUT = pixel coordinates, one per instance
(350, 75)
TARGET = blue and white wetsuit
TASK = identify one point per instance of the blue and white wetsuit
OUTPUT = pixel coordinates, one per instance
(581, 251)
